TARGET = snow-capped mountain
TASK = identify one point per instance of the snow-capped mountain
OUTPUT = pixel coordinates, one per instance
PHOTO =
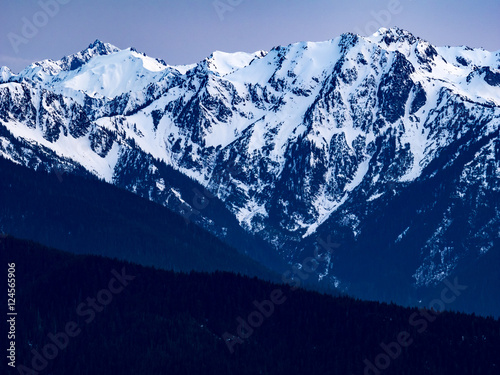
(302, 143)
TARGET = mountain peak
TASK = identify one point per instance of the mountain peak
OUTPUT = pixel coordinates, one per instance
(96, 43)
(101, 48)
(223, 63)
(394, 32)
(393, 35)
(5, 74)
(97, 48)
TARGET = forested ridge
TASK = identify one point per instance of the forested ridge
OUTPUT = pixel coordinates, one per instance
(84, 215)
(163, 322)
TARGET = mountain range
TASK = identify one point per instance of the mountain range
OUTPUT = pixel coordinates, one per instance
(372, 161)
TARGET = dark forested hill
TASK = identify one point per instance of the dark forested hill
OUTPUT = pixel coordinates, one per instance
(85, 215)
(82, 314)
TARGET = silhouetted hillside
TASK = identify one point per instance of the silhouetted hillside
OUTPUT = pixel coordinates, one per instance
(129, 319)
(87, 216)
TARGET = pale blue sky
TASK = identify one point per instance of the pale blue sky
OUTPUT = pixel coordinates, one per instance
(182, 32)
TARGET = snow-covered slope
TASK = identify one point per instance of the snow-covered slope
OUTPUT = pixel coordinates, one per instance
(288, 139)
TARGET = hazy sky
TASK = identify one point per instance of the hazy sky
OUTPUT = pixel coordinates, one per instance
(182, 32)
